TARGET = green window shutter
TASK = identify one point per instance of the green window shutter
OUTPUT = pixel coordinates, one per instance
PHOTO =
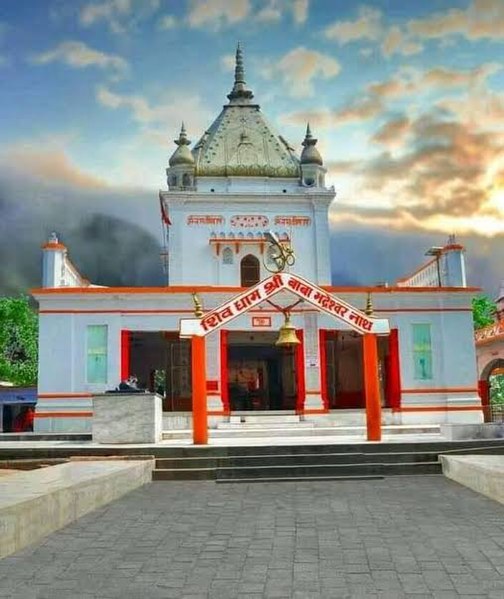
(422, 351)
(97, 337)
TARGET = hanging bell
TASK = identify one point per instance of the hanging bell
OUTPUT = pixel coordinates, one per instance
(287, 335)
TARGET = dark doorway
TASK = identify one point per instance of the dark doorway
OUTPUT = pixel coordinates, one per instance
(162, 363)
(261, 376)
(344, 369)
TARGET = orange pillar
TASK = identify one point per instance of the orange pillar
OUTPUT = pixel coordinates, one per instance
(199, 392)
(372, 387)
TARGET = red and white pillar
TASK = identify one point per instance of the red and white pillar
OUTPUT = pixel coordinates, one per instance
(199, 391)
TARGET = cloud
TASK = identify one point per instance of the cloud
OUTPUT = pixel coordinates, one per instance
(216, 14)
(395, 42)
(300, 11)
(79, 55)
(374, 101)
(357, 110)
(167, 22)
(366, 27)
(446, 178)
(159, 120)
(299, 68)
(118, 15)
(482, 19)
(52, 165)
(392, 133)
(227, 62)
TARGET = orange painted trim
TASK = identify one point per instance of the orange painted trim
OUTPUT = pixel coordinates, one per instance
(316, 411)
(217, 413)
(235, 289)
(312, 392)
(63, 414)
(424, 310)
(447, 390)
(213, 393)
(117, 311)
(440, 409)
(63, 395)
(51, 245)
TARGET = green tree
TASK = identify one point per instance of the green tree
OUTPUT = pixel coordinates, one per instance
(484, 310)
(18, 341)
(497, 389)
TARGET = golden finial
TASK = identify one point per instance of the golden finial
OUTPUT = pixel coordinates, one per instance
(198, 307)
(369, 305)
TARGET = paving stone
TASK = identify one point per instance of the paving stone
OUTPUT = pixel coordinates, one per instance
(388, 539)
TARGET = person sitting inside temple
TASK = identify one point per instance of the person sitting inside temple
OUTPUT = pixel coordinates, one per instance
(130, 385)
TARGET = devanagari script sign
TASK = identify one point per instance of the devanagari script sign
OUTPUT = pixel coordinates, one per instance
(266, 289)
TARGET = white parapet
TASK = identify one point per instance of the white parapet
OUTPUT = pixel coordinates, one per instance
(37, 502)
(483, 473)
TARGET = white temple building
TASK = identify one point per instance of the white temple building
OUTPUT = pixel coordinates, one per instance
(240, 183)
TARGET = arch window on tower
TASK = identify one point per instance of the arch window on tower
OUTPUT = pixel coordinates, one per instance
(173, 181)
(186, 180)
(250, 271)
(227, 256)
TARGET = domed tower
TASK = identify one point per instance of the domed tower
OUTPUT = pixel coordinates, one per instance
(312, 169)
(180, 173)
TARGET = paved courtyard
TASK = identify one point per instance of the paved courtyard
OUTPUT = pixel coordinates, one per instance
(399, 537)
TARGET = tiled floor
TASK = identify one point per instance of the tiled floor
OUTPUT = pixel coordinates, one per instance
(400, 537)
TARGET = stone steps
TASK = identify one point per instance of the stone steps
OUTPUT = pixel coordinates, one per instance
(299, 429)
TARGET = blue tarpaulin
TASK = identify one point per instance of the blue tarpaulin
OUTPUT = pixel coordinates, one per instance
(18, 395)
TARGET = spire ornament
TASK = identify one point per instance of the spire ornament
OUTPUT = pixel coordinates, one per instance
(239, 94)
(369, 305)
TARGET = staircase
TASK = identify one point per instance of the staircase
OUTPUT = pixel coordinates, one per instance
(311, 462)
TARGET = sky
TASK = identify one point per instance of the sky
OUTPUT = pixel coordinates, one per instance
(406, 99)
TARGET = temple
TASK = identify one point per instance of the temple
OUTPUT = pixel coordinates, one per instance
(397, 354)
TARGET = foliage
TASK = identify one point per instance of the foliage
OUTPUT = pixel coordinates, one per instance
(18, 341)
(484, 310)
(497, 389)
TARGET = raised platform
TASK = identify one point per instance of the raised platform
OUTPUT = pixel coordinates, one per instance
(481, 473)
(37, 502)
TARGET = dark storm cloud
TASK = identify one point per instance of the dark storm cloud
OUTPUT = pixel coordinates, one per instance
(113, 235)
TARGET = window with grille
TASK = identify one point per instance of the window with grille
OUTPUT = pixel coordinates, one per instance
(250, 271)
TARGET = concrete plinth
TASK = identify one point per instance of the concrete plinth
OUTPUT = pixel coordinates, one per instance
(483, 474)
(127, 418)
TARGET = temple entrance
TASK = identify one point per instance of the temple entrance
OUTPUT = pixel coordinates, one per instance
(261, 376)
(344, 370)
(162, 363)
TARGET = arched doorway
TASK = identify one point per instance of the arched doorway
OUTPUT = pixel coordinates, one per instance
(250, 271)
(491, 389)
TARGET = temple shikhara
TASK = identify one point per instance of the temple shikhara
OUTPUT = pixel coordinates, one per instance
(248, 261)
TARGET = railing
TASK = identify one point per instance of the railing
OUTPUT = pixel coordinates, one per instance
(490, 331)
(494, 413)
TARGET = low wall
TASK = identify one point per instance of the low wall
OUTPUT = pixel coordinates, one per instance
(38, 502)
(460, 432)
(483, 474)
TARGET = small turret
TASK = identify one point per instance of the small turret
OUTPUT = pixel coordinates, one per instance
(310, 154)
(180, 173)
(312, 169)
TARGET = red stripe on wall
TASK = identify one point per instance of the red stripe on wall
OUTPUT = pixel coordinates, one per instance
(63, 414)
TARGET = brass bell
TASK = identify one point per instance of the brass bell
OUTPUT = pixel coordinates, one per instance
(287, 334)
